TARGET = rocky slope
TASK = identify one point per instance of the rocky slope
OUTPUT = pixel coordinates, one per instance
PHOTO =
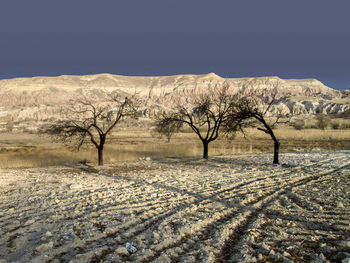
(39, 98)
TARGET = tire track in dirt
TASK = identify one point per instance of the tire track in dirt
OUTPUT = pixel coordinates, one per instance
(255, 189)
(161, 217)
(230, 215)
(229, 247)
(249, 213)
(155, 220)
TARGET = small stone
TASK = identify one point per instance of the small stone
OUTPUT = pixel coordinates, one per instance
(272, 254)
(80, 258)
(39, 259)
(48, 234)
(148, 158)
(312, 238)
(286, 254)
(322, 257)
(29, 222)
(77, 241)
(94, 214)
(250, 258)
(122, 252)
(340, 205)
(15, 224)
(44, 247)
(344, 243)
(291, 247)
(74, 186)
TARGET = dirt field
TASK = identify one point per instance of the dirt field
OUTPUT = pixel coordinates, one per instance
(228, 209)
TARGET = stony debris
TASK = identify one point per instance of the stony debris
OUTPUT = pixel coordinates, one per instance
(75, 186)
(340, 205)
(44, 247)
(226, 209)
(122, 251)
(344, 243)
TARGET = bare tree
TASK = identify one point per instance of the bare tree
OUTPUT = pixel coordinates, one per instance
(90, 118)
(321, 122)
(168, 129)
(257, 108)
(9, 126)
(204, 112)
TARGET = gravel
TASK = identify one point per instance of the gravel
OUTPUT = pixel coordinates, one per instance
(237, 208)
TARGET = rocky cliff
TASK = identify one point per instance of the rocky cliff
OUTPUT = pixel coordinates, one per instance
(39, 98)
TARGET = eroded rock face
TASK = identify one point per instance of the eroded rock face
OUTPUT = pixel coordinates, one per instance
(39, 98)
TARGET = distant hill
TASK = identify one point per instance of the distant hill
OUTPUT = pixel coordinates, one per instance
(38, 98)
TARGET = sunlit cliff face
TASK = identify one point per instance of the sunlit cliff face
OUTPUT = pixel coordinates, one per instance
(39, 98)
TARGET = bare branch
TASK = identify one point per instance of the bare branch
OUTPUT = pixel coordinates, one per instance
(205, 113)
(91, 119)
(259, 107)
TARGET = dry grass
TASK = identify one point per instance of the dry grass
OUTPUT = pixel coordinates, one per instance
(36, 158)
(30, 150)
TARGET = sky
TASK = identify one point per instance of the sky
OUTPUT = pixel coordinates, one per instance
(242, 38)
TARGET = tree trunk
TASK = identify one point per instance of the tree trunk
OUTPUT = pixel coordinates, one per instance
(205, 149)
(100, 156)
(276, 147)
(100, 148)
(276, 151)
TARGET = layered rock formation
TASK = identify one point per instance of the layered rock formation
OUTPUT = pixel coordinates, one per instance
(39, 98)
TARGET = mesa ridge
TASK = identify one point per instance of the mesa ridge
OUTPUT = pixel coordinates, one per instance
(38, 98)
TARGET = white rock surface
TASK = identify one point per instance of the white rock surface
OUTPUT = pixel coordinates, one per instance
(39, 98)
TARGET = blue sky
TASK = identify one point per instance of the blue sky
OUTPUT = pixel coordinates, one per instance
(289, 39)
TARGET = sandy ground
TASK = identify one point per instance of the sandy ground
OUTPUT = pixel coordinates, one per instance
(228, 209)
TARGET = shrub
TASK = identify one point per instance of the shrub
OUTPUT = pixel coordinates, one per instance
(346, 126)
(299, 124)
(9, 126)
(322, 122)
(335, 125)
